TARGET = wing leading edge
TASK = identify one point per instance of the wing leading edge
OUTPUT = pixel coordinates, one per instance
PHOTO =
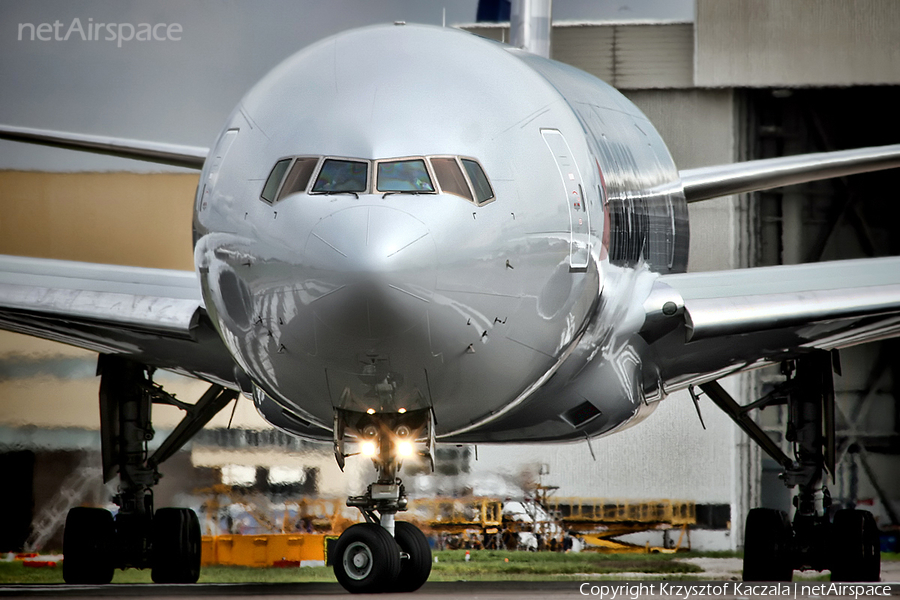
(736, 320)
(176, 155)
(154, 316)
(721, 180)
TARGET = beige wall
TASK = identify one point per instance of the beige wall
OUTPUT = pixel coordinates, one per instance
(138, 219)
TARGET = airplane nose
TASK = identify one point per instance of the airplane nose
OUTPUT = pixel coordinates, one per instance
(372, 271)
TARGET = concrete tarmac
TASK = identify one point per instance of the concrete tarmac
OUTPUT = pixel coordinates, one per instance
(470, 590)
(721, 574)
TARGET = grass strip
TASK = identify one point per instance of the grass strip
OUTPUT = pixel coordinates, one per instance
(483, 565)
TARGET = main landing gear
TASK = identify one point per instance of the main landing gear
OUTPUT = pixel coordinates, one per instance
(168, 541)
(774, 547)
(383, 554)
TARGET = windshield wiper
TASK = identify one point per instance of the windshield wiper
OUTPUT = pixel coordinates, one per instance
(409, 192)
(335, 193)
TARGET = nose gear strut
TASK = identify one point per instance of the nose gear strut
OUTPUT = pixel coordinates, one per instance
(382, 554)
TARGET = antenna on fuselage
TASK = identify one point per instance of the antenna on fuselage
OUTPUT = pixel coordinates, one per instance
(529, 25)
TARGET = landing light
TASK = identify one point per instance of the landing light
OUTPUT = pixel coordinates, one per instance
(368, 448)
(370, 411)
(401, 410)
(404, 448)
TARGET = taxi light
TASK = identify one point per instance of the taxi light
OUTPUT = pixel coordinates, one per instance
(401, 410)
(370, 411)
(368, 448)
(404, 448)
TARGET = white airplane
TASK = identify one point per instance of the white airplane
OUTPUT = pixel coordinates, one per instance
(408, 235)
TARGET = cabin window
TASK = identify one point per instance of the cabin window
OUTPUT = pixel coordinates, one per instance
(298, 177)
(404, 176)
(270, 189)
(450, 177)
(341, 176)
(480, 184)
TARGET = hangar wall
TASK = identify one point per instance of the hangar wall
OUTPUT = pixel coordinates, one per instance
(772, 43)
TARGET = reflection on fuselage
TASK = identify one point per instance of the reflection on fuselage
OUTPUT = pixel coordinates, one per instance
(458, 265)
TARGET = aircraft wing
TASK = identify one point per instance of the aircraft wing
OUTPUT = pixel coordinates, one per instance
(154, 316)
(729, 321)
(721, 180)
(190, 157)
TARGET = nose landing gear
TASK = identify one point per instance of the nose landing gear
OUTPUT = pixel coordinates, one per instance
(382, 554)
(848, 545)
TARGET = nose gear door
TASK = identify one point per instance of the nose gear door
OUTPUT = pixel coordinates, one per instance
(573, 187)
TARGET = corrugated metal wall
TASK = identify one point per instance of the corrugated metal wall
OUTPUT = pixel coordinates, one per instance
(627, 56)
(762, 43)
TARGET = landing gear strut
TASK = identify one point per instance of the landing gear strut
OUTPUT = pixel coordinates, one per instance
(774, 547)
(383, 554)
(167, 541)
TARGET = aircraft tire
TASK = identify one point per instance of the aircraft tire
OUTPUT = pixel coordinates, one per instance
(366, 559)
(856, 554)
(176, 546)
(767, 541)
(414, 571)
(88, 542)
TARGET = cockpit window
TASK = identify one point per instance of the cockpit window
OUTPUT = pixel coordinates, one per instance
(298, 177)
(482, 187)
(450, 176)
(342, 176)
(270, 189)
(404, 176)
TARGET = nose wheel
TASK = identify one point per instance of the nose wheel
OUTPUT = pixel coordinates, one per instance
(415, 563)
(367, 559)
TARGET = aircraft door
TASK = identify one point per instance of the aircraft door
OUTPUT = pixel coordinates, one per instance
(218, 155)
(573, 188)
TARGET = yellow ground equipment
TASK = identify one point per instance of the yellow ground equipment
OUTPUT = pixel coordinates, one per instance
(601, 520)
(267, 550)
(455, 515)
